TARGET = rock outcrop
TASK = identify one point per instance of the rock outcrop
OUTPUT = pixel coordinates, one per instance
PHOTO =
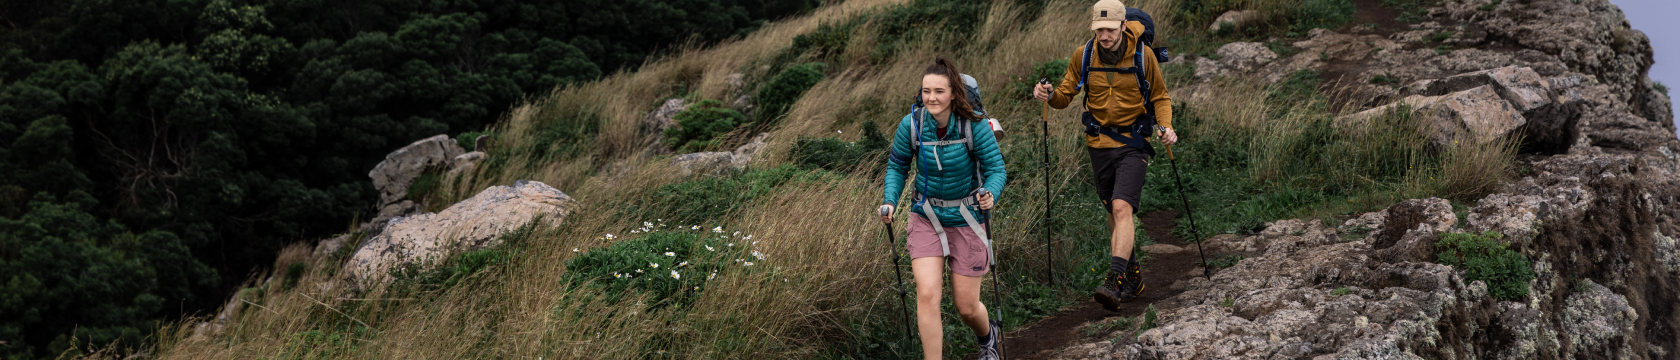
(474, 223)
(393, 175)
(1596, 211)
(714, 162)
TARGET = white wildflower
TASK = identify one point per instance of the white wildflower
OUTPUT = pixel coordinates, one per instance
(737, 233)
(717, 230)
(709, 248)
(675, 275)
(574, 249)
(654, 265)
(610, 237)
(638, 271)
(646, 224)
(685, 263)
(712, 276)
(749, 263)
(758, 255)
(668, 253)
(749, 237)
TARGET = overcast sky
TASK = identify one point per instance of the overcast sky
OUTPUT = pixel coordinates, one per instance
(1656, 19)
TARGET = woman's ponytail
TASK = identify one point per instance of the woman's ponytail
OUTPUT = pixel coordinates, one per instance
(959, 92)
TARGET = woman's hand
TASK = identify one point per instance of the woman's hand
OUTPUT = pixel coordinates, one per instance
(886, 213)
(986, 201)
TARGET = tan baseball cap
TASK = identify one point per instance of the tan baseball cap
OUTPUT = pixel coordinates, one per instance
(1108, 14)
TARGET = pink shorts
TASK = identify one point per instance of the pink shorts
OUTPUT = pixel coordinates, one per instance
(968, 253)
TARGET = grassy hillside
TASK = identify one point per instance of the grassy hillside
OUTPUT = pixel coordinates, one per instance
(820, 278)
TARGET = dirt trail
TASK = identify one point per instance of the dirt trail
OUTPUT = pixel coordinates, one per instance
(1041, 339)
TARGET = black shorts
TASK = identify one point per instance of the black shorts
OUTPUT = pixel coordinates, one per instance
(1119, 172)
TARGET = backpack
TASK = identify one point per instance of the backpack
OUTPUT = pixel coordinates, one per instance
(1145, 122)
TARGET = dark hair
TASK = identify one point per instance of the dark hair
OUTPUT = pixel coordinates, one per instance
(959, 92)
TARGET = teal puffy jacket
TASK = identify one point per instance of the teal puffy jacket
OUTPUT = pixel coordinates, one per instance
(950, 174)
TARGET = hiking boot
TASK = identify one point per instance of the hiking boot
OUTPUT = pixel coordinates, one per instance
(1119, 287)
(992, 348)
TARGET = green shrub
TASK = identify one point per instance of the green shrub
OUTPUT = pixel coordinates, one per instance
(1441, 36)
(1322, 14)
(433, 275)
(776, 97)
(423, 185)
(294, 272)
(1053, 70)
(559, 137)
(1658, 85)
(1506, 272)
(1489, 6)
(1341, 291)
(1383, 79)
(672, 267)
(1222, 262)
(469, 140)
(831, 153)
(708, 199)
(701, 126)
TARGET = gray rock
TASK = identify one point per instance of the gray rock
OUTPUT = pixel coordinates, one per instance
(1477, 114)
(329, 246)
(465, 163)
(1236, 19)
(664, 117)
(1598, 321)
(482, 143)
(393, 175)
(715, 162)
(475, 223)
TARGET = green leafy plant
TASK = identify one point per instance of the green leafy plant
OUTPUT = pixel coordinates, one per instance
(1222, 262)
(469, 140)
(1482, 257)
(1228, 302)
(1442, 49)
(1341, 291)
(671, 266)
(1658, 85)
(706, 199)
(1383, 79)
(1441, 36)
(1489, 6)
(702, 126)
(1322, 14)
(423, 185)
(776, 97)
(1149, 318)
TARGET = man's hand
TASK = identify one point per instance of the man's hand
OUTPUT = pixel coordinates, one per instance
(1168, 137)
(1042, 92)
(886, 213)
(986, 201)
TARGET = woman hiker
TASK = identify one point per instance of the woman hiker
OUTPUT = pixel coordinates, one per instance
(960, 171)
(1119, 115)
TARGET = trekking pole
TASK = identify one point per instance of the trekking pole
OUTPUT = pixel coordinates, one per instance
(892, 244)
(997, 292)
(1194, 232)
(1045, 124)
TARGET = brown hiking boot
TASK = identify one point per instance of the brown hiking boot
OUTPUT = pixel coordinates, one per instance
(1119, 287)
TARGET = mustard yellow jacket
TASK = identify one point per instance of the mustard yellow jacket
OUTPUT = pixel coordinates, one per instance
(1113, 98)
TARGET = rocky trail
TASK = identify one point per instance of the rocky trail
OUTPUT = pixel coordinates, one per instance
(1165, 267)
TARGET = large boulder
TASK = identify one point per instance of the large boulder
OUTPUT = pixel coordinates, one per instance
(1478, 114)
(1590, 36)
(664, 117)
(1235, 19)
(392, 176)
(1237, 57)
(471, 224)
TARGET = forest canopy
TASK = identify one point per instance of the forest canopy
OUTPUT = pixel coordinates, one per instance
(157, 153)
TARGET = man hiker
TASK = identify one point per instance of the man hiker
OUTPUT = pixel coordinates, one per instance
(960, 172)
(1121, 112)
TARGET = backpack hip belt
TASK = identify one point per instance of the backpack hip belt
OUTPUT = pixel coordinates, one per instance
(928, 204)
